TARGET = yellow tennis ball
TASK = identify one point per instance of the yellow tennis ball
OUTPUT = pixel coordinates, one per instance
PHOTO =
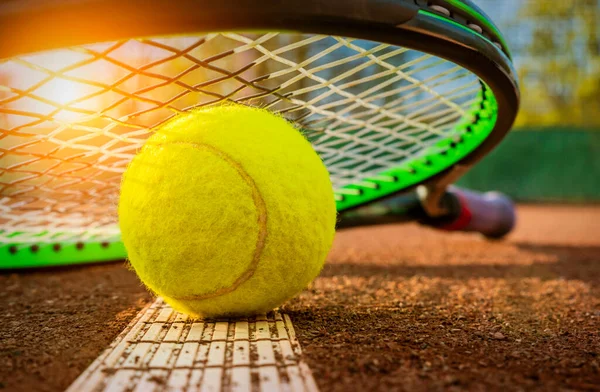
(227, 211)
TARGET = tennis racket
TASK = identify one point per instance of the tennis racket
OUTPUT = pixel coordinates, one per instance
(399, 98)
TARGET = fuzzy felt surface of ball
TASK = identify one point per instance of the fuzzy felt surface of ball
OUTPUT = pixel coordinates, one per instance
(227, 211)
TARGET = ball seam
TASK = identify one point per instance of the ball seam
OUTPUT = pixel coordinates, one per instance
(261, 208)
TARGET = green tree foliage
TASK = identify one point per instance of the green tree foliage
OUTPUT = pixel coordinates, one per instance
(559, 62)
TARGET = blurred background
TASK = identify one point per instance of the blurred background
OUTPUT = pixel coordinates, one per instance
(554, 152)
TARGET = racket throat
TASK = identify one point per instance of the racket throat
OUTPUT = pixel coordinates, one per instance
(434, 196)
(451, 213)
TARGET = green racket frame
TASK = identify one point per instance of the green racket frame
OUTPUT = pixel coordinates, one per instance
(456, 30)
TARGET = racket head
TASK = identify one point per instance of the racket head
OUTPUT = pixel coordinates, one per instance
(454, 32)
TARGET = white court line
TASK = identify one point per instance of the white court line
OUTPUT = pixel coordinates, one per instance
(161, 350)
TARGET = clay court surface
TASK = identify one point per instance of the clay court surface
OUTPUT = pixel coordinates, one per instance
(397, 307)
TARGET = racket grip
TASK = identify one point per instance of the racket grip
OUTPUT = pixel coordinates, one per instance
(491, 214)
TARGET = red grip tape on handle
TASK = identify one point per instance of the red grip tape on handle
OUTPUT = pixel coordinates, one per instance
(463, 219)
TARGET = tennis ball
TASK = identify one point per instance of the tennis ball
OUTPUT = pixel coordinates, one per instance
(227, 211)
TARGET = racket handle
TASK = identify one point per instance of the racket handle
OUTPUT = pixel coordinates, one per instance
(491, 214)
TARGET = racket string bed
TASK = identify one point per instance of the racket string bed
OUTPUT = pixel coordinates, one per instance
(392, 95)
(72, 119)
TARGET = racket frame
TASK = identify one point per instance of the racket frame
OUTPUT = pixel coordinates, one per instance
(443, 28)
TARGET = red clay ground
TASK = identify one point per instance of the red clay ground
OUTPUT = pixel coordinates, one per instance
(396, 308)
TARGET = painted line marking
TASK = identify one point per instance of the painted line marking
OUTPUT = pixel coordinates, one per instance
(163, 350)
